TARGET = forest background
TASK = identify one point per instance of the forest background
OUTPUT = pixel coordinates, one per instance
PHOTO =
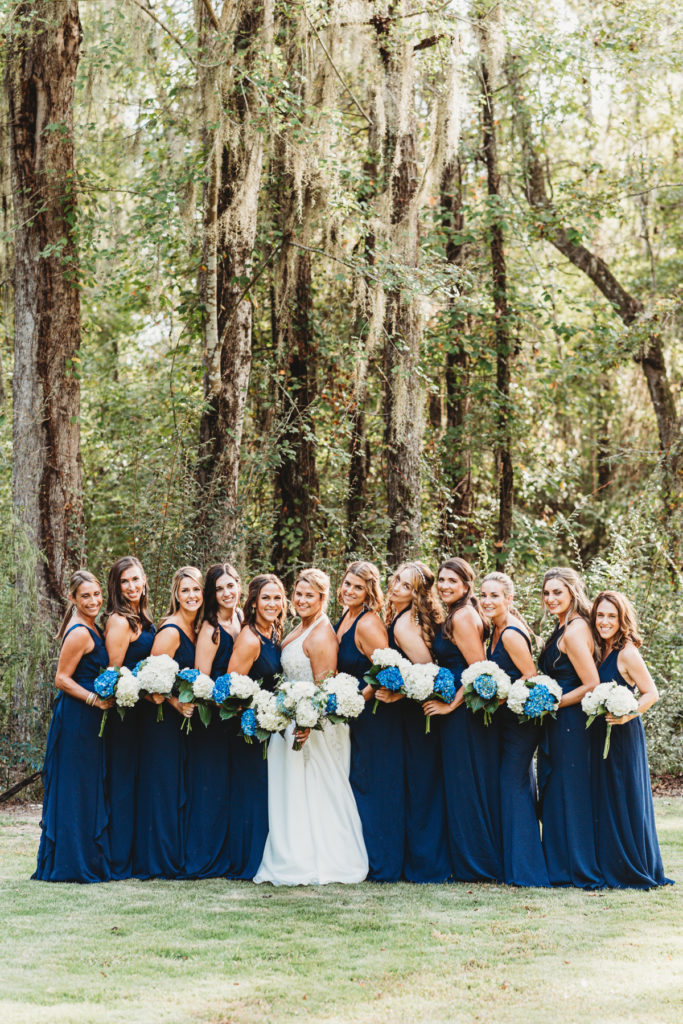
(291, 282)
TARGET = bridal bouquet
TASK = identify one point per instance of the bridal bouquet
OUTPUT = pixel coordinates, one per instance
(388, 670)
(195, 687)
(303, 703)
(429, 682)
(533, 698)
(157, 674)
(342, 699)
(234, 693)
(609, 698)
(486, 684)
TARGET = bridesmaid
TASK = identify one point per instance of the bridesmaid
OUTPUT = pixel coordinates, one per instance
(257, 654)
(413, 617)
(470, 750)
(377, 771)
(568, 750)
(208, 755)
(628, 850)
(162, 781)
(128, 634)
(74, 843)
(510, 647)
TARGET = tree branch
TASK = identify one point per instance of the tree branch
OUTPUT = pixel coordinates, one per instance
(335, 68)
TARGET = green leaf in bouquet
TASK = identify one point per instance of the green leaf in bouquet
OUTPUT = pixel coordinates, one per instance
(185, 694)
(204, 712)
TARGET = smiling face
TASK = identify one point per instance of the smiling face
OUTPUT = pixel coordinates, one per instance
(557, 597)
(353, 591)
(450, 586)
(269, 603)
(402, 590)
(87, 600)
(494, 601)
(227, 592)
(606, 620)
(132, 583)
(189, 595)
(308, 602)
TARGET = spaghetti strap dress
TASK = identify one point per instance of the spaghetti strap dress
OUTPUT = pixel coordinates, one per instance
(248, 813)
(123, 746)
(567, 757)
(628, 849)
(377, 768)
(74, 841)
(470, 753)
(523, 860)
(162, 793)
(426, 849)
(208, 784)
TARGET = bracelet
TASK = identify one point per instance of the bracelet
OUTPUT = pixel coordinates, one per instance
(90, 699)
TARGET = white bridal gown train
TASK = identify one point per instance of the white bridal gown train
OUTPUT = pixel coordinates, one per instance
(315, 834)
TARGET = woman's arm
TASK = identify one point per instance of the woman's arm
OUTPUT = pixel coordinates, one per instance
(632, 667)
(321, 648)
(77, 644)
(578, 644)
(245, 652)
(468, 636)
(117, 638)
(409, 638)
(518, 649)
(206, 649)
(371, 636)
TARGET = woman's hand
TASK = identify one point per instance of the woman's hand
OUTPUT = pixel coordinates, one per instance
(157, 698)
(386, 696)
(104, 705)
(301, 735)
(367, 692)
(185, 710)
(611, 720)
(436, 707)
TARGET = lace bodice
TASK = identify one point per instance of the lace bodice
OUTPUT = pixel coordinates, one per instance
(295, 664)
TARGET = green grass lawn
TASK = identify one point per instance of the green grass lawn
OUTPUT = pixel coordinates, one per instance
(233, 952)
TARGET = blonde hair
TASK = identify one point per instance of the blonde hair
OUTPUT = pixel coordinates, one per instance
(369, 574)
(580, 604)
(425, 607)
(317, 579)
(79, 577)
(187, 572)
(628, 620)
(509, 591)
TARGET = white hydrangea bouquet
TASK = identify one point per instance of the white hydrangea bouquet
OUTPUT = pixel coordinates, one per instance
(121, 684)
(303, 703)
(486, 685)
(609, 698)
(262, 719)
(195, 687)
(388, 670)
(429, 682)
(157, 674)
(342, 699)
(533, 698)
(234, 693)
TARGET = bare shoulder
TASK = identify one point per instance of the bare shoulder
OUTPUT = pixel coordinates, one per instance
(322, 635)
(577, 634)
(247, 641)
(206, 630)
(466, 619)
(629, 656)
(117, 625)
(370, 625)
(78, 640)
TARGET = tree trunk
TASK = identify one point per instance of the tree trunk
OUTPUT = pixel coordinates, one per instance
(46, 469)
(234, 147)
(504, 343)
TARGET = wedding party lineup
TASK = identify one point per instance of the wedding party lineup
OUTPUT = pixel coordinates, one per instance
(427, 736)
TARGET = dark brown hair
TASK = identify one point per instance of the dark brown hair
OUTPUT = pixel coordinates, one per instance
(464, 571)
(627, 630)
(210, 609)
(116, 602)
(255, 587)
(425, 606)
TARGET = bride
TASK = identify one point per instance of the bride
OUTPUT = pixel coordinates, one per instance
(315, 832)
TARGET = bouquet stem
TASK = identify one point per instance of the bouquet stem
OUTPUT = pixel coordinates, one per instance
(103, 723)
(375, 706)
(608, 737)
(160, 713)
(186, 724)
(428, 724)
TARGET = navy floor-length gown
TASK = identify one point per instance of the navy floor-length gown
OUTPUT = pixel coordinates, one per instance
(162, 783)
(377, 768)
(470, 753)
(523, 860)
(74, 842)
(208, 784)
(123, 748)
(426, 850)
(628, 849)
(566, 758)
(248, 813)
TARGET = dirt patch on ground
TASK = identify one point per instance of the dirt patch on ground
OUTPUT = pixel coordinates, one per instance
(667, 785)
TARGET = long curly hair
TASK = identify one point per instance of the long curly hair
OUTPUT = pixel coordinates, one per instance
(627, 630)
(117, 603)
(79, 577)
(255, 587)
(369, 574)
(187, 572)
(464, 571)
(210, 609)
(425, 608)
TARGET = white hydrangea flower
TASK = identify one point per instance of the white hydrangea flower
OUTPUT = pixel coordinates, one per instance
(300, 689)
(419, 681)
(127, 689)
(202, 687)
(158, 673)
(621, 701)
(386, 657)
(517, 697)
(242, 687)
(306, 713)
(590, 703)
(350, 704)
(268, 715)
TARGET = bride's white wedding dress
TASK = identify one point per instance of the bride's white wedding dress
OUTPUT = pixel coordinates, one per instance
(315, 835)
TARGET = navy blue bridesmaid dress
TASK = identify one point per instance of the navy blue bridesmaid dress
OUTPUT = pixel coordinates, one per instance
(628, 850)
(566, 757)
(426, 849)
(377, 768)
(208, 784)
(74, 842)
(523, 860)
(248, 813)
(160, 815)
(123, 745)
(470, 752)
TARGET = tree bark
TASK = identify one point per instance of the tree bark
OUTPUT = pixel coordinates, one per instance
(232, 48)
(46, 469)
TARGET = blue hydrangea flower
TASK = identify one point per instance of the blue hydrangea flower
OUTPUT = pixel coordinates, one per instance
(106, 682)
(221, 688)
(536, 702)
(548, 700)
(485, 686)
(248, 722)
(332, 704)
(137, 668)
(188, 674)
(444, 685)
(280, 701)
(391, 678)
